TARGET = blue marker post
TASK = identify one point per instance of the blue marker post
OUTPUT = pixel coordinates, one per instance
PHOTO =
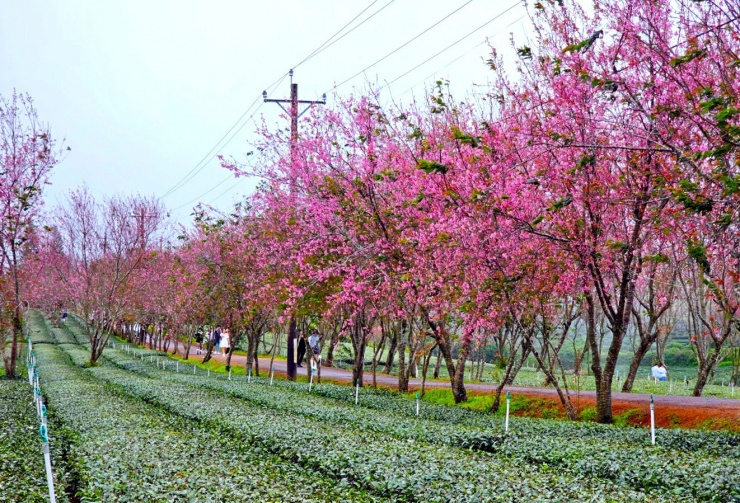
(47, 462)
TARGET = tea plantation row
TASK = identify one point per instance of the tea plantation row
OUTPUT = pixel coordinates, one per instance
(133, 432)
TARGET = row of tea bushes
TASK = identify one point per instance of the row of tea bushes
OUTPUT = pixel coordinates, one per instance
(121, 449)
(632, 463)
(22, 475)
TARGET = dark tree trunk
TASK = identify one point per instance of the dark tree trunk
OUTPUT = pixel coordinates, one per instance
(635, 364)
(292, 369)
(330, 351)
(403, 380)
(391, 352)
(437, 365)
(705, 370)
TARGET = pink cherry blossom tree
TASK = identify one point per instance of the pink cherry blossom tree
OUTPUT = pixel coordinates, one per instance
(28, 153)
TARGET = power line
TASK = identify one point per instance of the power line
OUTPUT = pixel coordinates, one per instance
(229, 177)
(330, 40)
(453, 43)
(211, 153)
(221, 144)
(457, 58)
(403, 45)
(232, 187)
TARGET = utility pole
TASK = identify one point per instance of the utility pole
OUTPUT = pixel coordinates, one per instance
(294, 114)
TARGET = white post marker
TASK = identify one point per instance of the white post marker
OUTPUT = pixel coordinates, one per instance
(47, 462)
(310, 383)
(652, 420)
(272, 374)
(508, 403)
(249, 376)
(209, 372)
(229, 373)
(670, 386)
(357, 392)
(194, 367)
(177, 367)
(418, 397)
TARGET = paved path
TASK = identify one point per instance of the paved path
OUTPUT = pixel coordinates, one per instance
(728, 407)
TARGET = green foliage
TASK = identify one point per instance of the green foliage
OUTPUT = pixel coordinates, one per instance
(698, 253)
(692, 54)
(133, 432)
(432, 167)
(22, 475)
(561, 203)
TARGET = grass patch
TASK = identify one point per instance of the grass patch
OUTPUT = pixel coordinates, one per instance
(630, 417)
(673, 420)
(717, 424)
(588, 414)
(520, 405)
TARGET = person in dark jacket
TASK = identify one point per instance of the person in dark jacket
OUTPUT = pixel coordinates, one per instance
(301, 349)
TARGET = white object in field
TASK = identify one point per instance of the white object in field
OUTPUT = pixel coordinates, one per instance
(272, 374)
(508, 402)
(47, 463)
(357, 392)
(652, 420)
(310, 383)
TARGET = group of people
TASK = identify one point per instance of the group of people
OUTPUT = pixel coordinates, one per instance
(218, 339)
(660, 373)
(313, 342)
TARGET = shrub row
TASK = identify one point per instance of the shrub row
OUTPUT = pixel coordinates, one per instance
(121, 449)
(598, 454)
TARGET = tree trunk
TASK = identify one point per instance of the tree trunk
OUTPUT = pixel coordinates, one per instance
(330, 352)
(376, 355)
(291, 364)
(437, 365)
(391, 352)
(704, 372)
(635, 365)
(424, 369)
(403, 380)
(358, 365)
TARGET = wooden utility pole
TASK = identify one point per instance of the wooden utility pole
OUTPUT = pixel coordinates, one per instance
(294, 114)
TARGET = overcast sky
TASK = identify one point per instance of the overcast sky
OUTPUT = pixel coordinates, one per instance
(143, 90)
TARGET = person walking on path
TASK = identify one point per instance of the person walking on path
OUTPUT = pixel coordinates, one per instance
(225, 342)
(661, 373)
(301, 350)
(217, 339)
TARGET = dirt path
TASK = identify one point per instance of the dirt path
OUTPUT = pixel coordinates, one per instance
(670, 410)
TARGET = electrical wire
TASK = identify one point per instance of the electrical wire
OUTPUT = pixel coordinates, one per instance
(330, 42)
(403, 45)
(435, 72)
(218, 146)
(229, 177)
(232, 187)
(215, 150)
(497, 16)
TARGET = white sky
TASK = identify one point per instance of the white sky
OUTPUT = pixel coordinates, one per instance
(143, 90)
